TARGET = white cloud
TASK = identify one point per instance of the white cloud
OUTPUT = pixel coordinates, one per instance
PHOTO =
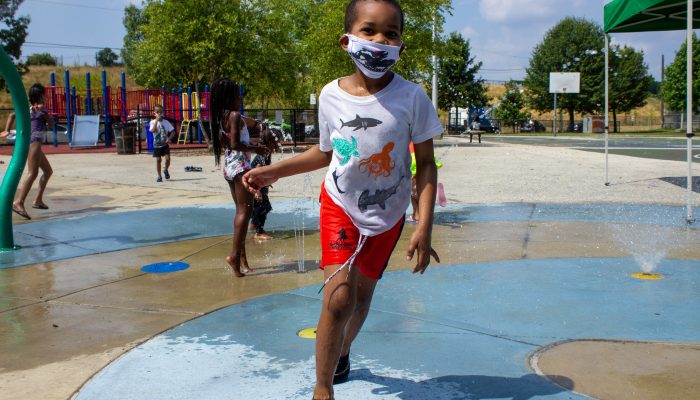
(518, 10)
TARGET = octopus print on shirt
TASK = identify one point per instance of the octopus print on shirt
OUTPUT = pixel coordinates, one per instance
(369, 174)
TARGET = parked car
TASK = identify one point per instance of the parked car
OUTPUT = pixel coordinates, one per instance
(485, 125)
(532, 126)
(61, 135)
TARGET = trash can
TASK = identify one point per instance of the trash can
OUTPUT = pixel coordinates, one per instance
(125, 135)
(299, 134)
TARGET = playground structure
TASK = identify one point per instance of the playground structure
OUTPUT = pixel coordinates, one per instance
(185, 107)
(182, 105)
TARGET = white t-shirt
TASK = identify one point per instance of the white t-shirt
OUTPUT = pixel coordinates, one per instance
(160, 131)
(370, 172)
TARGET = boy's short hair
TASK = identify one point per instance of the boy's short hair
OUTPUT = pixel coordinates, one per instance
(157, 106)
(351, 12)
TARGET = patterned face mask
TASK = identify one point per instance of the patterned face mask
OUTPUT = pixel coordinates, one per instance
(373, 59)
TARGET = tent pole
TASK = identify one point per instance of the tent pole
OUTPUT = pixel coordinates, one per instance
(607, 127)
(689, 110)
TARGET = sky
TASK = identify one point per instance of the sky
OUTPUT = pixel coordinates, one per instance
(502, 33)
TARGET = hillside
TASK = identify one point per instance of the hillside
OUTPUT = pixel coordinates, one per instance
(42, 74)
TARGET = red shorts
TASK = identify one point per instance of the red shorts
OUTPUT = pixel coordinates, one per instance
(339, 238)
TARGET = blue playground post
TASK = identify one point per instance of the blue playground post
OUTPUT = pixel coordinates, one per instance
(74, 100)
(189, 109)
(69, 128)
(105, 109)
(19, 155)
(242, 92)
(189, 102)
(123, 96)
(54, 106)
(89, 93)
(179, 96)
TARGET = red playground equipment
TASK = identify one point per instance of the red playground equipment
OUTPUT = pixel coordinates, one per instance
(182, 105)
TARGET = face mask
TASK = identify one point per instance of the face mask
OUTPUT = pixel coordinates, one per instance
(373, 59)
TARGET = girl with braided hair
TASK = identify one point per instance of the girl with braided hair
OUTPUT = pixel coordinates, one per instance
(230, 133)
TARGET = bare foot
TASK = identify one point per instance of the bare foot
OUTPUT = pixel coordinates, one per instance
(235, 266)
(262, 236)
(20, 210)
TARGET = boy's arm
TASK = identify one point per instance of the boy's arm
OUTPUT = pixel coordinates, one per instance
(426, 183)
(310, 160)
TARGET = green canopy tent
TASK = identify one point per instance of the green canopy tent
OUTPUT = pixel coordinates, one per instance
(654, 15)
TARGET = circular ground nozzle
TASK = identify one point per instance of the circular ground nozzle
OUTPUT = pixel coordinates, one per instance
(648, 276)
(308, 333)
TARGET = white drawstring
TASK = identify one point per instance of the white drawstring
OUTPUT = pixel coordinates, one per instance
(349, 262)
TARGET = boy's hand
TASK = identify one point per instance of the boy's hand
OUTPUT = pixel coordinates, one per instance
(420, 241)
(258, 178)
(258, 196)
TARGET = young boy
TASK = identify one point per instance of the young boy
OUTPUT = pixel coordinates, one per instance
(162, 129)
(366, 123)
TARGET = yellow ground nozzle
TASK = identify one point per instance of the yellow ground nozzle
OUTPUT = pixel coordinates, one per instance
(647, 276)
(308, 333)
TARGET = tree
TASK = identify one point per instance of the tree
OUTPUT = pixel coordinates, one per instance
(510, 110)
(133, 20)
(457, 82)
(280, 50)
(630, 81)
(674, 87)
(326, 61)
(41, 59)
(13, 32)
(573, 45)
(191, 41)
(106, 57)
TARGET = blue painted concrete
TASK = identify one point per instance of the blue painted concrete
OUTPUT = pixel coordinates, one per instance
(73, 237)
(457, 332)
(165, 267)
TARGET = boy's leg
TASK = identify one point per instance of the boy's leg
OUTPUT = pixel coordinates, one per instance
(339, 299)
(167, 165)
(158, 164)
(365, 292)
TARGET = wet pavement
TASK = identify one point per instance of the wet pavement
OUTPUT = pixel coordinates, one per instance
(531, 300)
(514, 279)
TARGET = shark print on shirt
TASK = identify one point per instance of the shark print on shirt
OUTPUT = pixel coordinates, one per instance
(359, 123)
(379, 197)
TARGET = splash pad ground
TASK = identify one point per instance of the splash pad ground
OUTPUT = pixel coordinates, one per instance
(533, 298)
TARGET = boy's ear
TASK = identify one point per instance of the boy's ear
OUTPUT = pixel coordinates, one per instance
(344, 42)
